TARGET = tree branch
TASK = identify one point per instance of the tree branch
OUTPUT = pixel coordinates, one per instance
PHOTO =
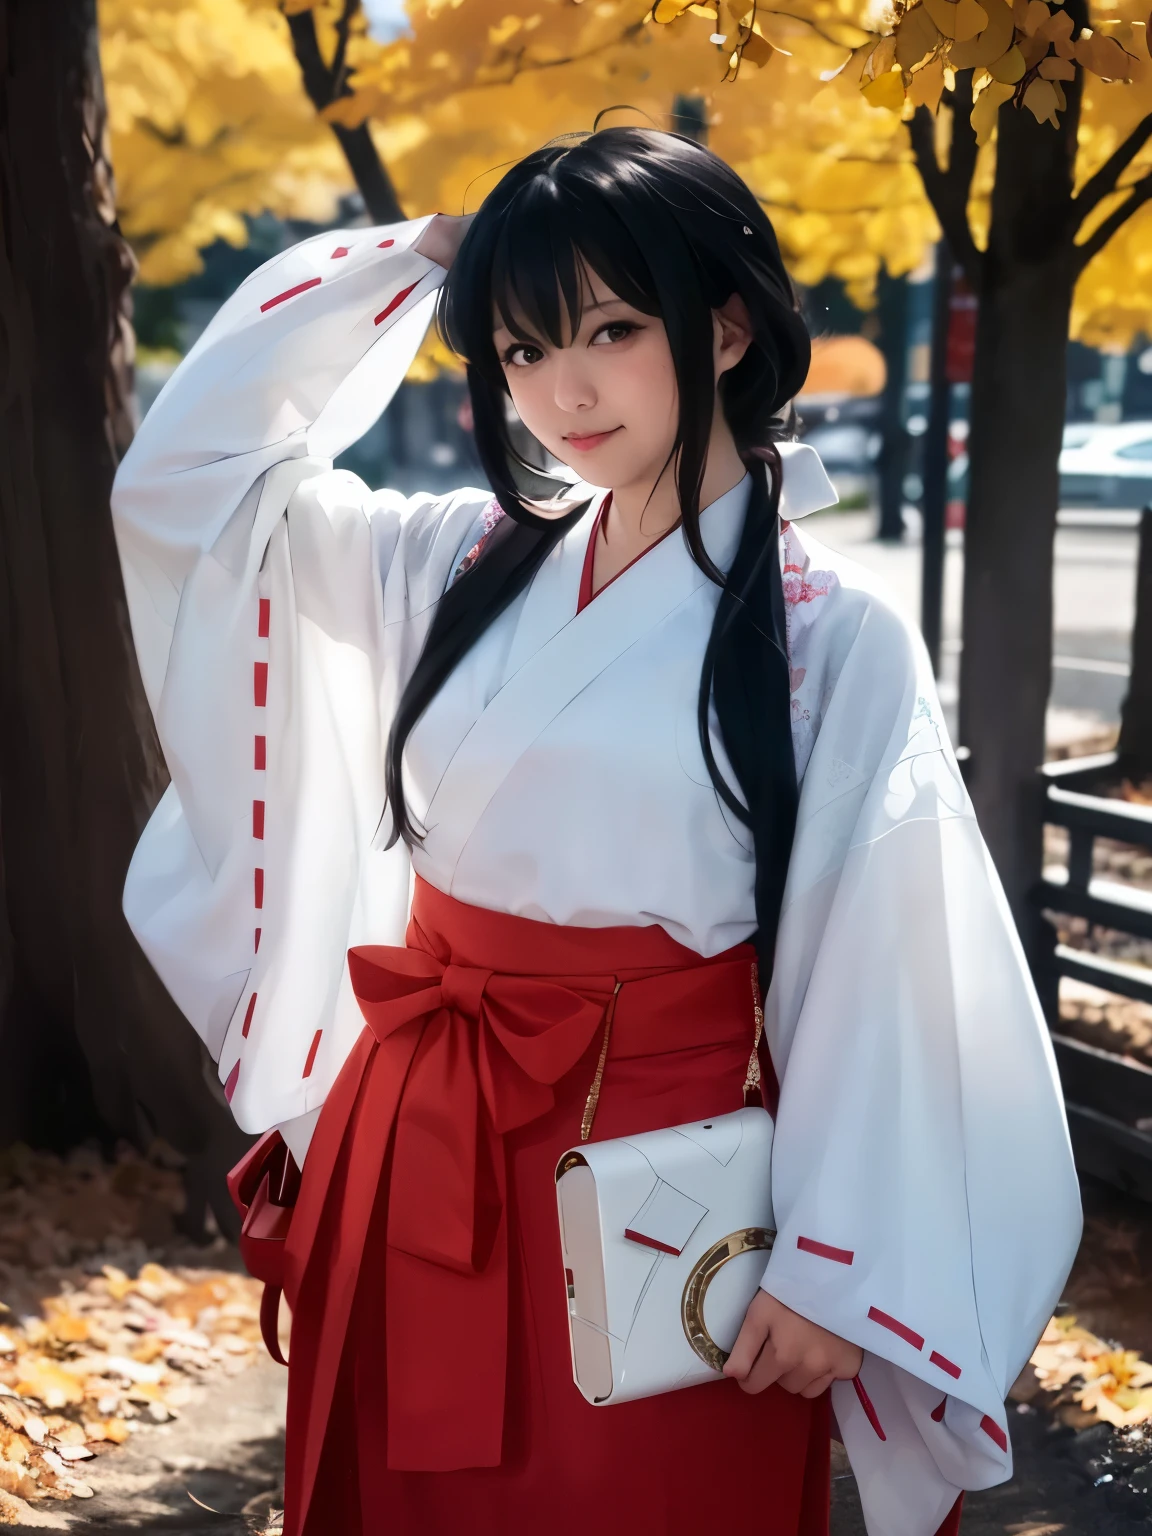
(306, 46)
(1140, 193)
(948, 190)
(1098, 187)
(320, 82)
(339, 70)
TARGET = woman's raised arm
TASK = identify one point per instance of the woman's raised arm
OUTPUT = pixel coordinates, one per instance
(269, 597)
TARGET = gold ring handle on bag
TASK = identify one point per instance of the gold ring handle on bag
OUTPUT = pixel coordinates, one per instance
(696, 1286)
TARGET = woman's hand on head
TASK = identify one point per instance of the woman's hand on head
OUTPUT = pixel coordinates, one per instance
(776, 1344)
(441, 240)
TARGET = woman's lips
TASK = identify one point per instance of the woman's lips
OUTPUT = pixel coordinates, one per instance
(590, 440)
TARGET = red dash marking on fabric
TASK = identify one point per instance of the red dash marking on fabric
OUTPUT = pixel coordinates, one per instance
(256, 946)
(312, 1049)
(341, 250)
(994, 1432)
(938, 1411)
(260, 683)
(384, 244)
(248, 1016)
(265, 610)
(866, 1404)
(257, 818)
(261, 753)
(394, 303)
(290, 293)
(894, 1326)
(824, 1251)
(651, 1242)
(945, 1365)
(230, 1085)
(259, 888)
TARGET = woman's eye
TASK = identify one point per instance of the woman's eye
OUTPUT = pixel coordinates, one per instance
(617, 330)
(523, 355)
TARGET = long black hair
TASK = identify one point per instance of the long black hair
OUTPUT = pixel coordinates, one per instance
(674, 232)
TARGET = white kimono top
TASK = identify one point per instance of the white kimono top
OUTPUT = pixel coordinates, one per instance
(923, 1184)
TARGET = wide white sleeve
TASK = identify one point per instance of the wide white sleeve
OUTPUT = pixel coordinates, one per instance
(272, 602)
(926, 1201)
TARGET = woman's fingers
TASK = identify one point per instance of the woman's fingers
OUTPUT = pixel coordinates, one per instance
(818, 1387)
(750, 1339)
(776, 1344)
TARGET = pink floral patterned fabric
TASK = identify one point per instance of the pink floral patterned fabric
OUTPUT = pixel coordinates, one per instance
(489, 518)
(805, 591)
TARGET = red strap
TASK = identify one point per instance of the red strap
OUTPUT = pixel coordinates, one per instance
(270, 1322)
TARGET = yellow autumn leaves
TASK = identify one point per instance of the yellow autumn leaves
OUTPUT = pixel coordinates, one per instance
(210, 123)
(1114, 1384)
(1021, 52)
(209, 126)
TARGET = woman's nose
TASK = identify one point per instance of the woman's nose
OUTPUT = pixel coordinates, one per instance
(573, 390)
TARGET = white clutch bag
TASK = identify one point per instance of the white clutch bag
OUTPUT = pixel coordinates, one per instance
(665, 1239)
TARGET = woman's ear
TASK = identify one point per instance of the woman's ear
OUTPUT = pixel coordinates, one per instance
(731, 333)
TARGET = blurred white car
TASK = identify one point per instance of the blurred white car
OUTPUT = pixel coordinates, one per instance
(1106, 466)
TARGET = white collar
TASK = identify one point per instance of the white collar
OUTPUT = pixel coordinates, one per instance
(806, 486)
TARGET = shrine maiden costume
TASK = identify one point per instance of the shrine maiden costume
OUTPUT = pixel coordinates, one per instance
(923, 1186)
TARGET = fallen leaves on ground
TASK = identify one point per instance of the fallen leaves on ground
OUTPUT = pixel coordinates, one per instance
(1110, 1023)
(117, 1352)
(1138, 794)
(1114, 1384)
(98, 1338)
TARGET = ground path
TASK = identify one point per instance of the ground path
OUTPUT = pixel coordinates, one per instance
(1074, 1477)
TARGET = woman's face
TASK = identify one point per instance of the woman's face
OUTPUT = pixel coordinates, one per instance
(604, 403)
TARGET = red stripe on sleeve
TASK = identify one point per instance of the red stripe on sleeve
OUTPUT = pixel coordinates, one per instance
(290, 293)
(248, 1016)
(257, 818)
(341, 250)
(394, 303)
(256, 946)
(938, 1411)
(259, 888)
(260, 683)
(261, 753)
(901, 1330)
(823, 1251)
(230, 1085)
(994, 1432)
(945, 1365)
(312, 1049)
(265, 609)
(384, 244)
(866, 1404)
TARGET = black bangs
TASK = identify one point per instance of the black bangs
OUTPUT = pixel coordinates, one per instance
(674, 232)
(670, 229)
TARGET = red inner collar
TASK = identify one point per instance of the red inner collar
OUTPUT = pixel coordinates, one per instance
(586, 592)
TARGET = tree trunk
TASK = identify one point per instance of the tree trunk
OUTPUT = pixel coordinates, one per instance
(1135, 747)
(90, 1041)
(893, 462)
(934, 499)
(1018, 401)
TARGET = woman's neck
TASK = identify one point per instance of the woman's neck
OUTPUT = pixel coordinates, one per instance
(639, 514)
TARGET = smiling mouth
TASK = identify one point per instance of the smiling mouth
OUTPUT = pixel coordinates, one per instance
(585, 440)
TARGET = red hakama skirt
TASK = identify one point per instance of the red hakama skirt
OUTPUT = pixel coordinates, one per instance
(430, 1384)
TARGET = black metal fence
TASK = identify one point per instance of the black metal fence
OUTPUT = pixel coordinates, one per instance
(1108, 1095)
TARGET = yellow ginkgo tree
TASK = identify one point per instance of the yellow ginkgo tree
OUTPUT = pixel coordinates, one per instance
(1030, 125)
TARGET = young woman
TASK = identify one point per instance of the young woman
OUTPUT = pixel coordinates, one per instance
(638, 749)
